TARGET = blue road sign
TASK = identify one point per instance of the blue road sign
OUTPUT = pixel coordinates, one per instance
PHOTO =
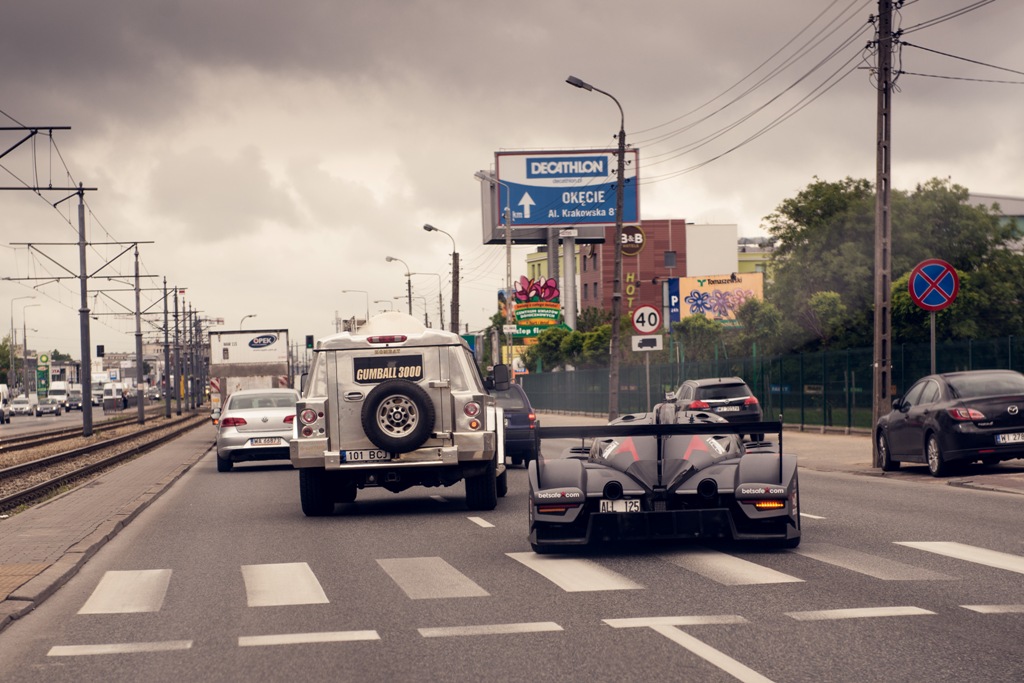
(566, 188)
(933, 284)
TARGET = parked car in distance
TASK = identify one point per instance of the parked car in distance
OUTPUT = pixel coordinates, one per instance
(521, 444)
(255, 424)
(51, 405)
(22, 406)
(955, 418)
(728, 397)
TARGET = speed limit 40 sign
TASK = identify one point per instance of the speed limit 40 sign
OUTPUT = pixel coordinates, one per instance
(646, 320)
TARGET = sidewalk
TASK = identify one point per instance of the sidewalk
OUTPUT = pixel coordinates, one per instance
(44, 546)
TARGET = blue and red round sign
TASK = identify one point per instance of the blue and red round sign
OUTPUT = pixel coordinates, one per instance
(933, 284)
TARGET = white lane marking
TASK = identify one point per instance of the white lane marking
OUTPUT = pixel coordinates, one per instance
(737, 670)
(970, 553)
(430, 577)
(489, 629)
(302, 638)
(726, 569)
(122, 592)
(804, 514)
(574, 575)
(117, 648)
(858, 613)
(689, 620)
(995, 609)
(289, 583)
(480, 521)
(863, 563)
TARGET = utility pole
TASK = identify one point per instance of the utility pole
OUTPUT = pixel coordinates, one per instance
(883, 225)
(139, 400)
(167, 359)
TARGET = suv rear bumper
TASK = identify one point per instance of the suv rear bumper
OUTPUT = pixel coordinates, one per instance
(469, 447)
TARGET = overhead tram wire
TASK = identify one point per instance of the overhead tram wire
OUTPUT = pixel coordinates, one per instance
(947, 17)
(963, 59)
(804, 49)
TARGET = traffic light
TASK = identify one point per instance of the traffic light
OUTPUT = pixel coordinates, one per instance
(309, 341)
(99, 350)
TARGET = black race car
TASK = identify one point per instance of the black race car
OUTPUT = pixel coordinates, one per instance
(668, 474)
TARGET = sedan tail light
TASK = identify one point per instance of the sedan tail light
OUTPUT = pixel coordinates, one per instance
(233, 422)
(289, 419)
(965, 414)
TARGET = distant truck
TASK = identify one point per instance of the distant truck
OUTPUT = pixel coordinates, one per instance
(59, 391)
(247, 359)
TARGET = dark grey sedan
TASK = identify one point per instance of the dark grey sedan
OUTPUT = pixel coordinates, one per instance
(955, 418)
(48, 406)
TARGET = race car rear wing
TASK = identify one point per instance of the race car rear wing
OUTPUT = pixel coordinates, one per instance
(625, 429)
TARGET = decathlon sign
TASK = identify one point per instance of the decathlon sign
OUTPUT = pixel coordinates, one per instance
(566, 188)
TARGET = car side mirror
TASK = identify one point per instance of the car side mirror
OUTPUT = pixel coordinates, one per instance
(501, 378)
(897, 404)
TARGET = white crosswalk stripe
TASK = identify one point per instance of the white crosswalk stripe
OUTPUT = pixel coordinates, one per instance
(970, 553)
(122, 592)
(291, 583)
(864, 563)
(574, 575)
(727, 570)
(430, 578)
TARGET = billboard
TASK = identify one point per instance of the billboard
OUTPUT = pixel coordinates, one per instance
(717, 297)
(249, 346)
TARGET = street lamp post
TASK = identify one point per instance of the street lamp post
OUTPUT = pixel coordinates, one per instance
(408, 279)
(613, 368)
(455, 277)
(244, 318)
(507, 215)
(364, 293)
(24, 350)
(11, 341)
(440, 301)
(385, 301)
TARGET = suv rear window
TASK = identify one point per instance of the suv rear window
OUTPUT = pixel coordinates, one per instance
(721, 391)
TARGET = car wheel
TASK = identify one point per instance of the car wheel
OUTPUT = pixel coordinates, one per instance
(397, 416)
(936, 466)
(516, 460)
(888, 464)
(315, 493)
(501, 484)
(223, 464)
(346, 490)
(482, 490)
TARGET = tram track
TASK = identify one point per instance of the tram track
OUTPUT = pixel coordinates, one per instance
(33, 474)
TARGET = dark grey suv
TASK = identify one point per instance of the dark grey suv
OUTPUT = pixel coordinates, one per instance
(729, 397)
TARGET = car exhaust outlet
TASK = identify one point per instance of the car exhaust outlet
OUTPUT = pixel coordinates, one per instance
(707, 488)
(613, 490)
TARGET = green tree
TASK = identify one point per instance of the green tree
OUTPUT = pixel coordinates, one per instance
(699, 336)
(595, 347)
(760, 324)
(592, 318)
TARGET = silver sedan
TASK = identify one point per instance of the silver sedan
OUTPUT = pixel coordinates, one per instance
(255, 424)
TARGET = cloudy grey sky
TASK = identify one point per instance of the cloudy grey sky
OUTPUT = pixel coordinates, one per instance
(275, 153)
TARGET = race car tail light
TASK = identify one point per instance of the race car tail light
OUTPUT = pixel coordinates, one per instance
(698, 405)
(472, 409)
(751, 401)
(556, 508)
(233, 422)
(769, 504)
(308, 416)
(965, 414)
(387, 339)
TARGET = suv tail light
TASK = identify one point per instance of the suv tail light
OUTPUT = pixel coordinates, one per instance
(387, 339)
(698, 405)
(233, 422)
(307, 416)
(751, 401)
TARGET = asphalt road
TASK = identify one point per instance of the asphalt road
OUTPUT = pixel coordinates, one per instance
(223, 578)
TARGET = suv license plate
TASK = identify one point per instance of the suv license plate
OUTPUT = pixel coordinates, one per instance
(727, 409)
(620, 506)
(364, 456)
(266, 441)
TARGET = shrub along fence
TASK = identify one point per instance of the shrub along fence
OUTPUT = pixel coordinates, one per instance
(820, 389)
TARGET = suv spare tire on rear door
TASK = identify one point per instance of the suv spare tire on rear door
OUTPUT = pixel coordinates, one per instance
(398, 416)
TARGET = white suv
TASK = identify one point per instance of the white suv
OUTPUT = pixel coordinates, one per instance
(397, 405)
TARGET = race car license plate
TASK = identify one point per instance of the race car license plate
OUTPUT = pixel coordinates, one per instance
(620, 506)
(364, 456)
(266, 441)
(726, 409)
(1015, 437)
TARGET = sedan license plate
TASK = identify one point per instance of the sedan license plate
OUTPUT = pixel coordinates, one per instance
(620, 506)
(1016, 437)
(266, 441)
(726, 409)
(364, 456)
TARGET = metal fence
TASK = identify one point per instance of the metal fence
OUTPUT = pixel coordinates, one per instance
(821, 389)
